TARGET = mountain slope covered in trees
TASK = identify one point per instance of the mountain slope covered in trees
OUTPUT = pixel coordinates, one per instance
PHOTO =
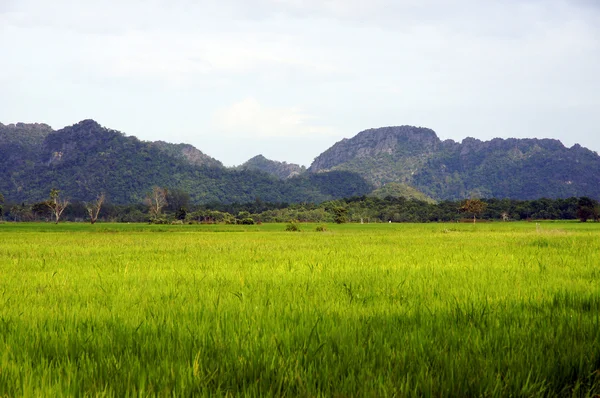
(398, 190)
(281, 170)
(447, 170)
(85, 159)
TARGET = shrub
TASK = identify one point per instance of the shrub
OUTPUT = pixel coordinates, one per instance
(158, 220)
(340, 215)
(292, 227)
(247, 221)
(321, 228)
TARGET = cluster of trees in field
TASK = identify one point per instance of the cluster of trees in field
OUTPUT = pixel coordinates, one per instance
(175, 206)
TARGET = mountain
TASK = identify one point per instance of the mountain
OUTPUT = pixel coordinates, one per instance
(21, 141)
(447, 170)
(188, 153)
(388, 144)
(85, 159)
(280, 170)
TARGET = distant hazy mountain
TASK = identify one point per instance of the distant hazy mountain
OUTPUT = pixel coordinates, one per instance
(503, 168)
(280, 170)
(85, 159)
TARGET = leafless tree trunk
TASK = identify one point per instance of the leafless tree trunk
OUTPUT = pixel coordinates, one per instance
(94, 208)
(156, 200)
(57, 205)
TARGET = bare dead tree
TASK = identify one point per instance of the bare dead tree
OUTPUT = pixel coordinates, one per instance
(93, 208)
(156, 200)
(56, 204)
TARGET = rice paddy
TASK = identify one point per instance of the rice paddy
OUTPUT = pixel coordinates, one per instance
(498, 309)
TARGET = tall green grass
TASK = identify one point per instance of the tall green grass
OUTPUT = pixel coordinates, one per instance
(358, 310)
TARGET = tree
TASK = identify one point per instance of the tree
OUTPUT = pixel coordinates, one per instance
(340, 214)
(93, 208)
(1, 204)
(587, 208)
(156, 200)
(56, 204)
(22, 212)
(474, 206)
(40, 210)
(181, 214)
(178, 199)
(244, 218)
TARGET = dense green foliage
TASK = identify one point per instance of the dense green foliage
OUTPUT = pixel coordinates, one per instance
(356, 209)
(86, 159)
(397, 190)
(281, 170)
(520, 169)
(360, 310)
(447, 170)
(21, 142)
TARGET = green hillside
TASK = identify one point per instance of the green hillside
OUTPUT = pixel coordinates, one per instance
(447, 170)
(85, 159)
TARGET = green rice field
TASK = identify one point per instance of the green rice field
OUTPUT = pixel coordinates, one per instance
(494, 309)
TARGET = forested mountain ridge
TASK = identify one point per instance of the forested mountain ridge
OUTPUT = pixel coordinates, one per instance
(188, 153)
(26, 133)
(281, 170)
(86, 159)
(20, 142)
(447, 170)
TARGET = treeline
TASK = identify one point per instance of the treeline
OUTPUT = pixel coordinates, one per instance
(175, 207)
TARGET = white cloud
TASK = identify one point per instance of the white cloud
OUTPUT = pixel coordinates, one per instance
(183, 56)
(250, 118)
(152, 41)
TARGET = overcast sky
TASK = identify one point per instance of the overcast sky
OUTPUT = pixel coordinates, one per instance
(288, 78)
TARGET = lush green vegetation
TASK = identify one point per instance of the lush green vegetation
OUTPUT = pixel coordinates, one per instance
(281, 170)
(498, 309)
(366, 208)
(86, 159)
(448, 170)
(396, 190)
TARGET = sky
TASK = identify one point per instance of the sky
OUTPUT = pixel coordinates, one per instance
(289, 78)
